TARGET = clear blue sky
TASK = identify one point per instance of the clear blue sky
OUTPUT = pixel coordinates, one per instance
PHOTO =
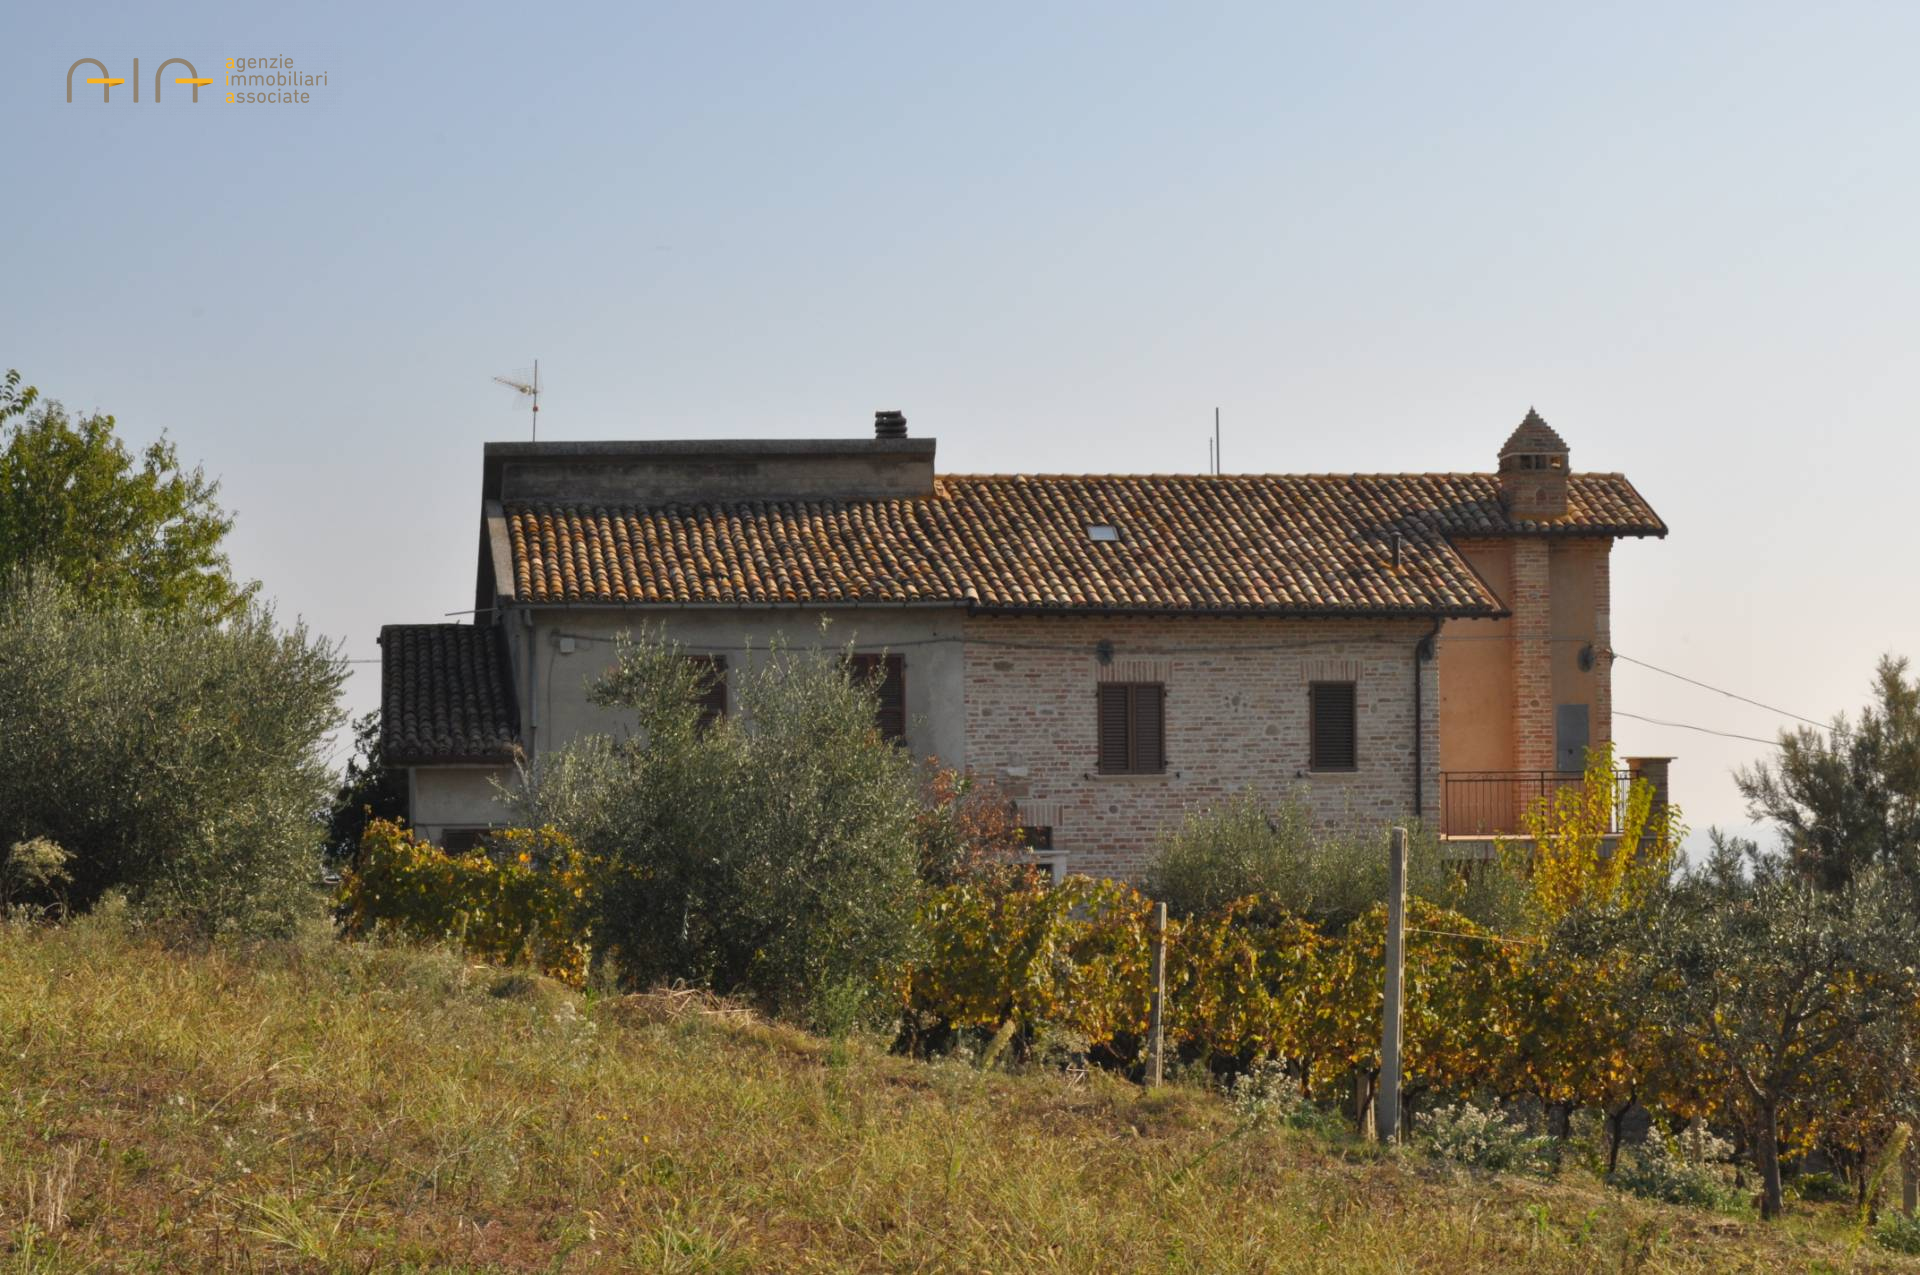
(1056, 236)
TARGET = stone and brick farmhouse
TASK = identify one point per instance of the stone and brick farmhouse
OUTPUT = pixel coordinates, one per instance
(1112, 650)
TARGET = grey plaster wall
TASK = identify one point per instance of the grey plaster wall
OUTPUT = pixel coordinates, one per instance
(928, 639)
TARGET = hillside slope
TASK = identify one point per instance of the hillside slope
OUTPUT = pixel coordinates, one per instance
(315, 1106)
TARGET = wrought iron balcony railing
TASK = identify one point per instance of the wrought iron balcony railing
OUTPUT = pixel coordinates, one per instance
(1491, 803)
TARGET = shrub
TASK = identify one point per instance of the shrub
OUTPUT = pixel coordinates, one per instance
(522, 899)
(1243, 847)
(1898, 1232)
(35, 869)
(1241, 982)
(1268, 1096)
(1687, 1168)
(770, 853)
(1821, 1188)
(1485, 1138)
(172, 758)
(1069, 959)
(966, 827)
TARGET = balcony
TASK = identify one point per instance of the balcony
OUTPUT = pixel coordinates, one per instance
(1478, 804)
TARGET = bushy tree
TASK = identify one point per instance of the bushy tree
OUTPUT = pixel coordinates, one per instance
(369, 791)
(174, 759)
(77, 504)
(1767, 979)
(1849, 797)
(770, 852)
(1575, 862)
(1244, 847)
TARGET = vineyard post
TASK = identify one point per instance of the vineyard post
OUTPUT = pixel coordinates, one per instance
(1386, 1118)
(1157, 1010)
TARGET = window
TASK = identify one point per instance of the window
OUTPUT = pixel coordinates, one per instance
(1103, 533)
(1331, 728)
(888, 673)
(713, 686)
(1132, 728)
(463, 841)
(1036, 839)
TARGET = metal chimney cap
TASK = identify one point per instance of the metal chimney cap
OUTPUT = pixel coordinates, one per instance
(889, 424)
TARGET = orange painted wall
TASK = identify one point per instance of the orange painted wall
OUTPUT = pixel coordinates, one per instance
(1477, 727)
(1576, 570)
(1476, 673)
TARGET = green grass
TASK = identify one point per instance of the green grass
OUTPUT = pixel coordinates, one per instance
(317, 1106)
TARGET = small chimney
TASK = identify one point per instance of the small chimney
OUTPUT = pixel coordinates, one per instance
(1534, 465)
(889, 424)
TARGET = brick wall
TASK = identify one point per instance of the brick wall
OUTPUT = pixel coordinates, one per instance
(1236, 716)
(1532, 629)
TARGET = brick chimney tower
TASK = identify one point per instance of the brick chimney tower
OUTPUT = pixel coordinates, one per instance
(1533, 471)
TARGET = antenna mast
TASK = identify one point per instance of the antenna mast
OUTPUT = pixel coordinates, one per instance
(527, 389)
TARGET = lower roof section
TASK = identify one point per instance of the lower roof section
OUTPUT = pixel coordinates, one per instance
(446, 695)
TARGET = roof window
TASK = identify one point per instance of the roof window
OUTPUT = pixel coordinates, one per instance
(1103, 532)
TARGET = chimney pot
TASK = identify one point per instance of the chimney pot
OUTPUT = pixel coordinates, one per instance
(889, 424)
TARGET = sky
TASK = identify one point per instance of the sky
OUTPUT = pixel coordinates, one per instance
(1057, 236)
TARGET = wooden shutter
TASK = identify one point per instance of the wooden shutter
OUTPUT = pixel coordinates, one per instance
(1132, 728)
(888, 676)
(1333, 743)
(1116, 754)
(1149, 728)
(713, 686)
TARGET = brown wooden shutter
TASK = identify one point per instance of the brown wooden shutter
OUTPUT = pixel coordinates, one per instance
(1115, 701)
(1149, 728)
(1132, 728)
(713, 686)
(1333, 731)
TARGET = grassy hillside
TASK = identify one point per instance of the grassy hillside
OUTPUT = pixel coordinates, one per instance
(318, 1106)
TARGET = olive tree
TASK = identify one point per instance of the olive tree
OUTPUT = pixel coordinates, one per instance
(174, 759)
(1766, 978)
(770, 852)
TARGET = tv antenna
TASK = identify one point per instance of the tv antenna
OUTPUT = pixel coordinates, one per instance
(527, 389)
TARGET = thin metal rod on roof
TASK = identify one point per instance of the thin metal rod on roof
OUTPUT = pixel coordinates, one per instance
(1216, 440)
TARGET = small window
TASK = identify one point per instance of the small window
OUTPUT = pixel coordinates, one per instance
(1036, 839)
(713, 686)
(1103, 533)
(1132, 728)
(888, 674)
(459, 842)
(1331, 727)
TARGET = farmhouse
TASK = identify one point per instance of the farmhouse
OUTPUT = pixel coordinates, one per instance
(1112, 650)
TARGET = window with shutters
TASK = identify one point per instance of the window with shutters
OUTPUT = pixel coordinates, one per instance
(1133, 737)
(713, 686)
(887, 674)
(1331, 727)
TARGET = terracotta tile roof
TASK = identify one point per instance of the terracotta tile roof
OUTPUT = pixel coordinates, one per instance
(1274, 544)
(445, 694)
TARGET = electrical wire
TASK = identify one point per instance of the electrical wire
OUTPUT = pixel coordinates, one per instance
(1704, 730)
(1718, 690)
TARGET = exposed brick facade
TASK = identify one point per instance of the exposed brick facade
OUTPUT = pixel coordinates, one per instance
(1236, 717)
(1531, 603)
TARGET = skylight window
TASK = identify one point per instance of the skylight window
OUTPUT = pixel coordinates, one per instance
(1103, 533)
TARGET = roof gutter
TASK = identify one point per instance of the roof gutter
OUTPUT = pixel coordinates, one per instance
(1254, 613)
(1423, 652)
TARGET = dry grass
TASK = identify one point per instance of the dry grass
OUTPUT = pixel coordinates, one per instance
(314, 1106)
